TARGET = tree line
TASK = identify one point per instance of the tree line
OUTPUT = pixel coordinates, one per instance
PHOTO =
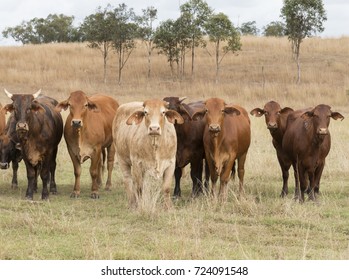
(118, 29)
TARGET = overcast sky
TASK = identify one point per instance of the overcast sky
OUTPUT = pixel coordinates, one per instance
(13, 12)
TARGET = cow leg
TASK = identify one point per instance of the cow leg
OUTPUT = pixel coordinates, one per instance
(137, 177)
(14, 184)
(95, 172)
(110, 165)
(285, 166)
(207, 177)
(214, 177)
(31, 176)
(311, 194)
(53, 164)
(166, 185)
(318, 174)
(196, 167)
(296, 180)
(178, 176)
(224, 179)
(241, 173)
(77, 173)
(45, 177)
(302, 182)
(128, 183)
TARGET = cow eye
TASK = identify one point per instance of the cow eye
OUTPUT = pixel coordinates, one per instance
(266, 113)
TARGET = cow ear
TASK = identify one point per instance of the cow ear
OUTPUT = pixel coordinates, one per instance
(8, 108)
(92, 106)
(36, 107)
(62, 106)
(199, 115)
(184, 113)
(307, 115)
(336, 116)
(231, 111)
(135, 118)
(257, 112)
(286, 110)
(174, 117)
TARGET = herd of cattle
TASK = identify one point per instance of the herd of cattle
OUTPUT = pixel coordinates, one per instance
(159, 137)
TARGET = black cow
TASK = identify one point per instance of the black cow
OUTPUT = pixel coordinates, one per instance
(190, 146)
(39, 128)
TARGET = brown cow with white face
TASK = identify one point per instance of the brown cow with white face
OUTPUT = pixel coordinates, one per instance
(227, 137)
(145, 141)
(276, 119)
(307, 142)
(88, 133)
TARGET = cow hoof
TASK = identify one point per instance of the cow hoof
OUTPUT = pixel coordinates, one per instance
(30, 198)
(14, 186)
(94, 195)
(74, 195)
(45, 197)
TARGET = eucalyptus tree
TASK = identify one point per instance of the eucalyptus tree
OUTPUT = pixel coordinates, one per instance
(96, 29)
(196, 13)
(166, 41)
(225, 37)
(304, 18)
(123, 34)
(146, 31)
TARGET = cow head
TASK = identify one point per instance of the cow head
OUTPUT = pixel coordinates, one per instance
(24, 107)
(215, 111)
(9, 150)
(319, 117)
(272, 112)
(154, 113)
(175, 103)
(79, 105)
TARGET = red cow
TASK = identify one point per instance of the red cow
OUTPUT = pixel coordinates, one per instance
(227, 137)
(276, 119)
(88, 132)
(307, 142)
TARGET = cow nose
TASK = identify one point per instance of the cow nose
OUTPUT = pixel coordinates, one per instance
(154, 130)
(4, 165)
(214, 128)
(323, 131)
(22, 126)
(272, 125)
(76, 123)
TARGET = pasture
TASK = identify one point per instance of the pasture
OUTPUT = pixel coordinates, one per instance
(259, 226)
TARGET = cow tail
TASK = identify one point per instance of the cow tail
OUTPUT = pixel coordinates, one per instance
(104, 157)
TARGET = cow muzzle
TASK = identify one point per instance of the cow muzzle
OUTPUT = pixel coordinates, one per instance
(22, 127)
(4, 165)
(272, 126)
(77, 123)
(154, 130)
(214, 128)
(322, 131)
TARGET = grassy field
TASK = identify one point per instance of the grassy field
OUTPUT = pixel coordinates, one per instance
(260, 226)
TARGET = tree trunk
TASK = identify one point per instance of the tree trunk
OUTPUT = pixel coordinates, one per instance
(149, 55)
(192, 57)
(217, 61)
(105, 57)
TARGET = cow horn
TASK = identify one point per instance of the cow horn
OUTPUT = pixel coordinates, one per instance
(8, 93)
(36, 95)
(182, 99)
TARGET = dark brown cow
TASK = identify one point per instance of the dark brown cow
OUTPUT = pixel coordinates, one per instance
(39, 129)
(276, 120)
(190, 146)
(88, 133)
(227, 137)
(307, 142)
(10, 150)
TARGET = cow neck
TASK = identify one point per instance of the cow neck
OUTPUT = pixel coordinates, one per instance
(217, 141)
(277, 135)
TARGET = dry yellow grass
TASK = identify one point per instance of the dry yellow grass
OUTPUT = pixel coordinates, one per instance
(261, 226)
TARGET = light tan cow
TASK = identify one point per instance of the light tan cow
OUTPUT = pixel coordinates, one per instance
(146, 143)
